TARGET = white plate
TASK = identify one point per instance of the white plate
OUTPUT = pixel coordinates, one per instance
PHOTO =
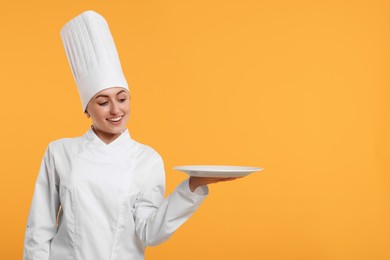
(217, 170)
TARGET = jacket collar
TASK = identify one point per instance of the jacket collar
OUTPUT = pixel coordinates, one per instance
(121, 140)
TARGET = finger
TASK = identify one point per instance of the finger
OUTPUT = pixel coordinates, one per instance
(223, 180)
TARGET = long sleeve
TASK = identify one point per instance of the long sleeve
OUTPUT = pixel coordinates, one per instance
(157, 218)
(41, 223)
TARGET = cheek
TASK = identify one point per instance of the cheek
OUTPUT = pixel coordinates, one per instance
(98, 112)
(126, 108)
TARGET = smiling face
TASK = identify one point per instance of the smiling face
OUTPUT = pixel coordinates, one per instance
(110, 111)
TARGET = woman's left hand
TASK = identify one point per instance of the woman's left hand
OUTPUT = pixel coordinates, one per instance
(195, 182)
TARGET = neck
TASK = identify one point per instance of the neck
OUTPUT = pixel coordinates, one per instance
(106, 137)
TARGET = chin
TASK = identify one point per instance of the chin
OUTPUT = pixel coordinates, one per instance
(117, 130)
(112, 130)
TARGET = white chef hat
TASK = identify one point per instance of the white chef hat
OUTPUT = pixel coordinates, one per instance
(92, 55)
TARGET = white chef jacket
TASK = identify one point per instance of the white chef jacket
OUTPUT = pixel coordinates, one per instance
(111, 197)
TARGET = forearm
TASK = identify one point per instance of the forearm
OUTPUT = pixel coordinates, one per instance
(170, 215)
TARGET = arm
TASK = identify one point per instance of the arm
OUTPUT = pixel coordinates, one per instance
(41, 223)
(157, 218)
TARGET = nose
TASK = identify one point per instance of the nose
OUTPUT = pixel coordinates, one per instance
(114, 109)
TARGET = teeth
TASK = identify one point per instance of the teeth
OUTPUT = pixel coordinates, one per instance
(115, 119)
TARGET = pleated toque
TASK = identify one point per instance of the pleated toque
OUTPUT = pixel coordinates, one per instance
(92, 55)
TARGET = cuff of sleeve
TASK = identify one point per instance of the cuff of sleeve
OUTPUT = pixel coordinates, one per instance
(201, 191)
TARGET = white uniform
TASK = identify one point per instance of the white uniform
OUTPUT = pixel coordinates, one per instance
(112, 200)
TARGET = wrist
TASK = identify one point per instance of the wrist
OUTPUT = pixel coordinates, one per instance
(192, 184)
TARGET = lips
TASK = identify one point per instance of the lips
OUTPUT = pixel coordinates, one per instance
(115, 119)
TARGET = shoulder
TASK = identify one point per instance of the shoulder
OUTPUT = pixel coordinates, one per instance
(63, 145)
(146, 152)
(149, 165)
(62, 142)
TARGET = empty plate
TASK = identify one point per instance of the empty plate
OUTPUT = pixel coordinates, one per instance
(217, 170)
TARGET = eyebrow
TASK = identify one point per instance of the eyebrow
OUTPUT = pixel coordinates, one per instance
(108, 96)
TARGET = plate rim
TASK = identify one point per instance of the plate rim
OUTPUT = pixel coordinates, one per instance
(248, 168)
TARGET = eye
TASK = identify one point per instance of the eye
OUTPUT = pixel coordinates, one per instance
(103, 104)
(122, 100)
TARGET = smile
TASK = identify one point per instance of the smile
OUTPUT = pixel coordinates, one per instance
(116, 119)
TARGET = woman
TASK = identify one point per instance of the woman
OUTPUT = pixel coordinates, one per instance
(105, 189)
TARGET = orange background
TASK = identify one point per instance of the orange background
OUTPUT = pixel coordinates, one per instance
(300, 88)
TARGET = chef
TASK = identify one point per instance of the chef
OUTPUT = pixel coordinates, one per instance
(100, 196)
